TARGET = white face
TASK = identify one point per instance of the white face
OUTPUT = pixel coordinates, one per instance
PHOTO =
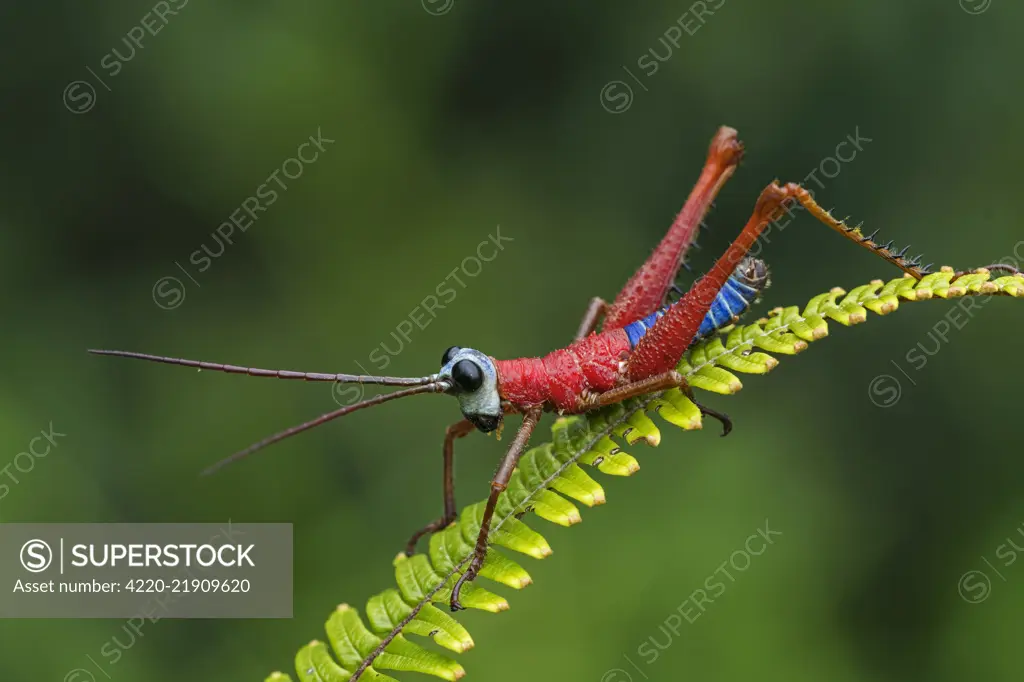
(474, 381)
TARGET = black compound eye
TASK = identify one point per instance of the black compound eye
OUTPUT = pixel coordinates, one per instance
(467, 375)
(449, 354)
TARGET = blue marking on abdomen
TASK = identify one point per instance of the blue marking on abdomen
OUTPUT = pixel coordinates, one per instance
(733, 300)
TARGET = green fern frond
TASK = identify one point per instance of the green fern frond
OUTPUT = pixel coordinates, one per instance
(550, 473)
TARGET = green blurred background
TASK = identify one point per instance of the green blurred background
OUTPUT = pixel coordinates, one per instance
(450, 120)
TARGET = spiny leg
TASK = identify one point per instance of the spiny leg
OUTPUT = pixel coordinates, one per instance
(595, 310)
(911, 266)
(645, 291)
(498, 485)
(663, 345)
(457, 430)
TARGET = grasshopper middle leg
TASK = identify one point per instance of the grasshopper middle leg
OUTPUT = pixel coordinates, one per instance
(661, 382)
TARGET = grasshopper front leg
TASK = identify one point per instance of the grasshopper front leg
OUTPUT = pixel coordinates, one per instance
(595, 310)
(457, 430)
(498, 485)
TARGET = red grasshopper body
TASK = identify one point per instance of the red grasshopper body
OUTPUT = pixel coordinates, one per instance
(569, 379)
(635, 353)
(564, 377)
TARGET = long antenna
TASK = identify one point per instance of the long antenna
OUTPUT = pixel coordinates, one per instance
(434, 387)
(273, 373)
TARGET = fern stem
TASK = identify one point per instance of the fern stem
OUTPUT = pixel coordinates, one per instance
(368, 661)
(548, 474)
